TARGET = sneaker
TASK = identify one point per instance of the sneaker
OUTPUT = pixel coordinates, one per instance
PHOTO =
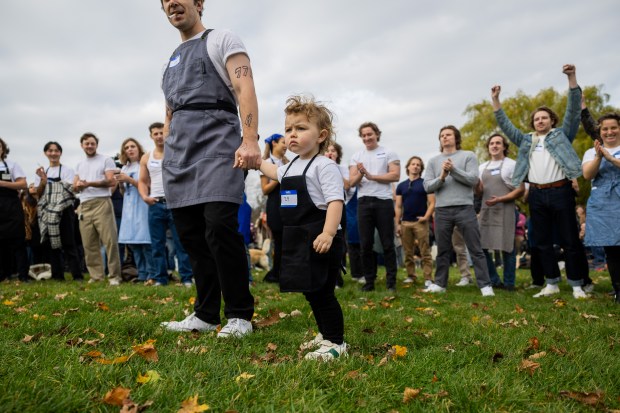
(361, 280)
(368, 287)
(314, 343)
(487, 291)
(115, 282)
(549, 289)
(588, 288)
(409, 280)
(190, 323)
(327, 351)
(236, 327)
(463, 282)
(434, 288)
(188, 284)
(579, 294)
(427, 283)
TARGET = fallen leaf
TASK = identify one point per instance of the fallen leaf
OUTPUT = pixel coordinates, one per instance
(103, 307)
(534, 343)
(192, 300)
(272, 347)
(435, 379)
(296, 313)
(244, 376)
(538, 355)
(130, 407)
(59, 297)
(31, 339)
(117, 360)
(558, 302)
(590, 399)
(383, 362)
(146, 350)
(191, 405)
(74, 342)
(150, 376)
(518, 309)
(409, 319)
(20, 310)
(355, 374)
(410, 394)
(272, 318)
(589, 316)
(124, 297)
(559, 351)
(93, 354)
(39, 317)
(8, 302)
(529, 366)
(399, 351)
(116, 396)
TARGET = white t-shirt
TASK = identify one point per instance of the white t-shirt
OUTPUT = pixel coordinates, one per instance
(221, 44)
(67, 174)
(274, 160)
(508, 168)
(14, 169)
(323, 179)
(591, 153)
(156, 175)
(91, 170)
(543, 168)
(376, 162)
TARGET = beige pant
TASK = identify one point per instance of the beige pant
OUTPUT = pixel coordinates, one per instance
(460, 249)
(410, 232)
(98, 227)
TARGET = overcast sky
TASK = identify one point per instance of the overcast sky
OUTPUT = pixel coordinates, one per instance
(69, 66)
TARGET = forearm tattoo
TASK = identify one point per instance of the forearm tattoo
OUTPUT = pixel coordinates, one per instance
(248, 120)
(243, 71)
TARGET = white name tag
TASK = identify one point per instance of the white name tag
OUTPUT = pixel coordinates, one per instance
(617, 156)
(175, 60)
(381, 155)
(155, 164)
(495, 171)
(288, 199)
(6, 177)
(539, 147)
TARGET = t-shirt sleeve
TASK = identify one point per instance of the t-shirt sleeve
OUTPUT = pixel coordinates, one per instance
(332, 186)
(17, 172)
(392, 157)
(109, 165)
(589, 155)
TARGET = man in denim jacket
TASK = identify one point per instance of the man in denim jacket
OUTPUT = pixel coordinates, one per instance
(548, 162)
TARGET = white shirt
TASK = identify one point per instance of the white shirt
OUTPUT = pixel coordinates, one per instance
(323, 179)
(508, 168)
(14, 169)
(543, 168)
(156, 175)
(67, 174)
(591, 153)
(91, 170)
(376, 162)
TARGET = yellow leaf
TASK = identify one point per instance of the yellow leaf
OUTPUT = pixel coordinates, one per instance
(116, 396)
(410, 394)
(399, 351)
(243, 376)
(191, 406)
(103, 307)
(147, 350)
(93, 354)
(39, 317)
(149, 376)
(8, 302)
(118, 360)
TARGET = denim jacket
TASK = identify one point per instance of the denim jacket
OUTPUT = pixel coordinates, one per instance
(558, 142)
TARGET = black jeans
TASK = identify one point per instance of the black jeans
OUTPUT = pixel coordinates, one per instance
(209, 234)
(67, 238)
(377, 213)
(553, 218)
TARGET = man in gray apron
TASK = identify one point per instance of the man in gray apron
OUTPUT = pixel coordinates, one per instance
(206, 77)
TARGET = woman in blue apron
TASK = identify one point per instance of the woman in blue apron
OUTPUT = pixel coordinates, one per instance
(275, 148)
(312, 195)
(12, 223)
(602, 165)
(58, 179)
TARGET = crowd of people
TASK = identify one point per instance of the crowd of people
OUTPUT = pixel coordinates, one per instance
(184, 195)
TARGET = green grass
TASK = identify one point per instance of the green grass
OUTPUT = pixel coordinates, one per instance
(463, 351)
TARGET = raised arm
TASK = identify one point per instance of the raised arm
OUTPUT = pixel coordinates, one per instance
(588, 122)
(248, 155)
(514, 134)
(573, 105)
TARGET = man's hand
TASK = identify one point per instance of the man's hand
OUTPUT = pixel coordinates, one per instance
(494, 200)
(248, 155)
(81, 185)
(495, 91)
(363, 171)
(323, 242)
(568, 70)
(41, 173)
(150, 200)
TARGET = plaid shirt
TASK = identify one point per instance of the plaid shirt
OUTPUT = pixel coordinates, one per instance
(57, 197)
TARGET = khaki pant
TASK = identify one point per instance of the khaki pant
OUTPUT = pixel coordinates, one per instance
(458, 243)
(98, 227)
(410, 232)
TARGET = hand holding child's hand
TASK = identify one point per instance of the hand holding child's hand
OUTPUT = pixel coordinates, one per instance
(323, 242)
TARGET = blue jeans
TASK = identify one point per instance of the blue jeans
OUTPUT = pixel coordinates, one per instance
(160, 218)
(510, 264)
(143, 256)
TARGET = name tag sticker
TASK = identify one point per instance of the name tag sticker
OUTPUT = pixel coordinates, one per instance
(6, 177)
(288, 199)
(155, 164)
(495, 172)
(539, 147)
(617, 155)
(381, 155)
(175, 60)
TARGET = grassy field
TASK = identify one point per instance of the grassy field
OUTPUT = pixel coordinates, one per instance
(73, 347)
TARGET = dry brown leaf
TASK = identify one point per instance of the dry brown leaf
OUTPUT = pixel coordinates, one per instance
(588, 398)
(383, 362)
(103, 307)
(74, 342)
(117, 360)
(130, 407)
(272, 347)
(93, 354)
(558, 302)
(435, 379)
(559, 351)
(272, 318)
(20, 310)
(529, 366)
(31, 339)
(589, 316)
(409, 319)
(146, 350)
(191, 405)
(116, 396)
(410, 394)
(59, 297)
(124, 297)
(534, 343)
(518, 309)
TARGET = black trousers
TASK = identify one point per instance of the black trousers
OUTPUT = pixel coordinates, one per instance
(69, 247)
(612, 256)
(209, 234)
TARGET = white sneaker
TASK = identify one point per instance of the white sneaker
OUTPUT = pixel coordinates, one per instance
(579, 294)
(115, 282)
(191, 323)
(427, 283)
(361, 280)
(236, 327)
(434, 288)
(549, 289)
(409, 280)
(487, 291)
(328, 351)
(463, 282)
(187, 284)
(314, 343)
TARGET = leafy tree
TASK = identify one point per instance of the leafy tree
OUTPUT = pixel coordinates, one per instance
(481, 122)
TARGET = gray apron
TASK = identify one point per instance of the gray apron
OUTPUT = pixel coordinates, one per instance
(497, 223)
(204, 132)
